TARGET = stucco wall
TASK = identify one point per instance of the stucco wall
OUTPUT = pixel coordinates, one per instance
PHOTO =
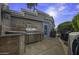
(6, 23)
(21, 24)
(18, 23)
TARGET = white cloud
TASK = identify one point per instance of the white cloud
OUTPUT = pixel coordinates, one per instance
(77, 6)
(61, 8)
(69, 13)
(52, 11)
(61, 4)
(56, 10)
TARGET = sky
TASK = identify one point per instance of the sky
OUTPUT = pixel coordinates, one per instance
(61, 12)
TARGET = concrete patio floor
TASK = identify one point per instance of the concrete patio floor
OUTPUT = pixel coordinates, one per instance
(51, 46)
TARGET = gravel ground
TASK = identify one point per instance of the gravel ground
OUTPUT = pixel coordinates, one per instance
(48, 46)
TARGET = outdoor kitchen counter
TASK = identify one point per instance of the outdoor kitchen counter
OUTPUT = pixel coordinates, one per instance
(33, 37)
(12, 44)
(30, 37)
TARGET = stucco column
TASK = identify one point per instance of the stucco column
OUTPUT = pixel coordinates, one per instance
(22, 45)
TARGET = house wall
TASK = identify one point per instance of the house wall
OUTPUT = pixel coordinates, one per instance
(12, 23)
(21, 24)
(17, 23)
(6, 23)
(50, 25)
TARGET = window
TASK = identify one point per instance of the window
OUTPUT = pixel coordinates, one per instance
(6, 16)
(45, 29)
(28, 25)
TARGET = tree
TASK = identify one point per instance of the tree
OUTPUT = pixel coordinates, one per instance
(64, 27)
(75, 22)
(32, 5)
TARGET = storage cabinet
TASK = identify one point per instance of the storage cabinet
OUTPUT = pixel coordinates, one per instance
(31, 38)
